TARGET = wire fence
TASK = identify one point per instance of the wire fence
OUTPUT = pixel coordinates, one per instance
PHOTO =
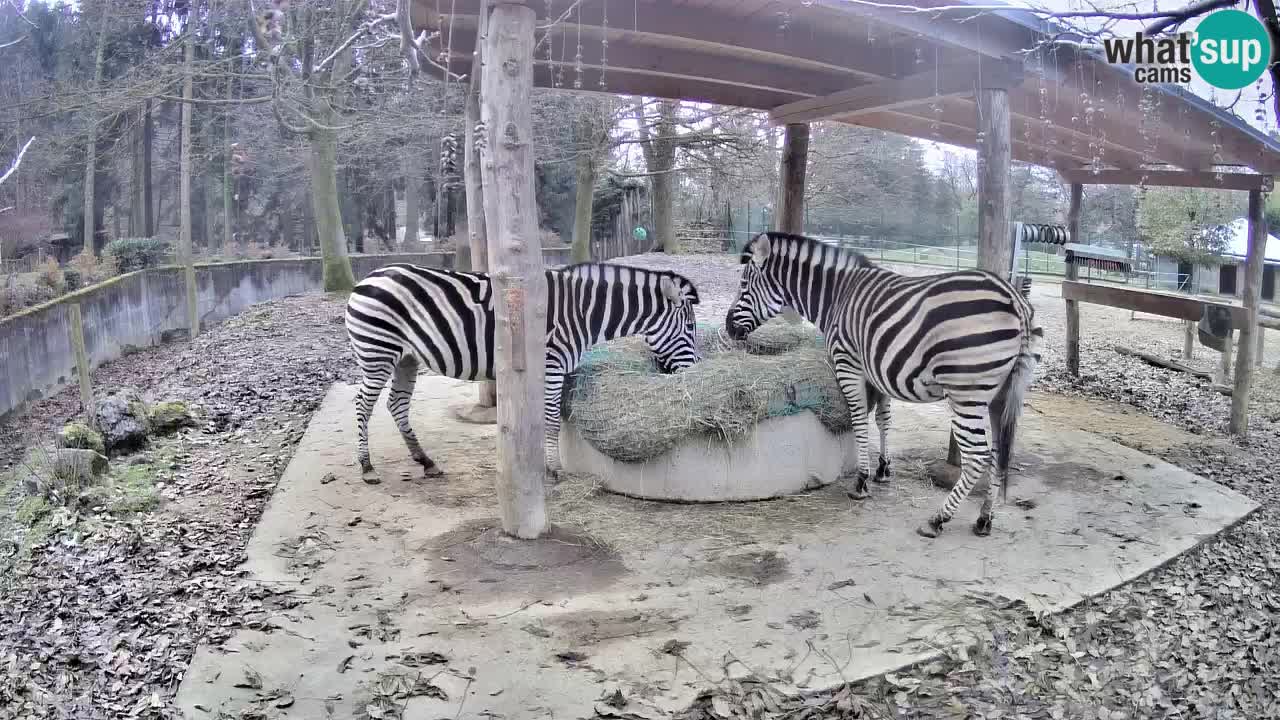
(961, 253)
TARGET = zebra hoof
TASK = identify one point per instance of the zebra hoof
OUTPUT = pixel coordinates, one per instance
(932, 530)
(860, 494)
(982, 526)
(883, 471)
(370, 477)
(431, 469)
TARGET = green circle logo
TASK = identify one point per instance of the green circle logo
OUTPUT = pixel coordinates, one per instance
(1232, 49)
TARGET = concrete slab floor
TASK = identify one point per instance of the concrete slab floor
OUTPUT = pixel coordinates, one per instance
(818, 584)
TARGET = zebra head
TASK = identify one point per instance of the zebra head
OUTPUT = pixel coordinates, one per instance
(760, 295)
(672, 333)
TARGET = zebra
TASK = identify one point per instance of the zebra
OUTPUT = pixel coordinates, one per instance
(967, 337)
(402, 316)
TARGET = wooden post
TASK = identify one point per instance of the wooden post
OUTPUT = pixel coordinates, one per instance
(1262, 341)
(795, 160)
(1224, 367)
(184, 192)
(75, 331)
(995, 242)
(1073, 273)
(1239, 424)
(515, 257)
(475, 189)
(1188, 339)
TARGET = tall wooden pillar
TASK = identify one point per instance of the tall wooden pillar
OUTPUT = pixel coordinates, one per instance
(1239, 424)
(795, 160)
(995, 244)
(471, 175)
(995, 151)
(515, 259)
(1073, 271)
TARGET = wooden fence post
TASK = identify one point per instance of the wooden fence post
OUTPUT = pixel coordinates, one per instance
(75, 330)
(471, 172)
(1073, 273)
(1252, 296)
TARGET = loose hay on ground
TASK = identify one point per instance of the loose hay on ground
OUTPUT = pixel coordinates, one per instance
(580, 503)
(629, 411)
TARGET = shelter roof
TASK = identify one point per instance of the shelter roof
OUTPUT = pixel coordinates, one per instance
(895, 67)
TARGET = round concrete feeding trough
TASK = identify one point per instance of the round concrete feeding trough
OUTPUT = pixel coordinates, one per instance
(780, 456)
(751, 421)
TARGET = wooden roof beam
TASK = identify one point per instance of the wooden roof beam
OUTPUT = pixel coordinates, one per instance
(964, 136)
(1170, 178)
(621, 81)
(959, 27)
(893, 94)
(624, 55)
(692, 26)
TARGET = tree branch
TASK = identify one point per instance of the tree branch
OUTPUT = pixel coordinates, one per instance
(17, 161)
(1180, 16)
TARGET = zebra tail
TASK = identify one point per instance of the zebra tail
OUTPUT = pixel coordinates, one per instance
(1007, 406)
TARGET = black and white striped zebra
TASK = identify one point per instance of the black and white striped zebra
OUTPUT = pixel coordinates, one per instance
(402, 316)
(967, 337)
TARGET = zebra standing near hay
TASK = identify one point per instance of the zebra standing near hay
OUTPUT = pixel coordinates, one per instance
(401, 316)
(967, 337)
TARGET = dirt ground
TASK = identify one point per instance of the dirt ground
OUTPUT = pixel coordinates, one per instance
(1196, 638)
(788, 585)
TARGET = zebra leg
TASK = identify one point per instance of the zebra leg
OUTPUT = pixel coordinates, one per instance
(374, 377)
(854, 389)
(883, 471)
(406, 376)
(982, 526)
(975, 456)
(554, 385)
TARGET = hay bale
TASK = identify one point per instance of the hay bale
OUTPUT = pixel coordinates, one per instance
(629, 411)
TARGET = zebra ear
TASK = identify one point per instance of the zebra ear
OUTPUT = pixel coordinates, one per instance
(669, 289)
(760, 249)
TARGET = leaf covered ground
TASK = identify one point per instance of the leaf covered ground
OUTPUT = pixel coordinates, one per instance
(100, 612)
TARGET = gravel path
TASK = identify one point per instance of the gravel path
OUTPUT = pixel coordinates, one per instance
(101, 623)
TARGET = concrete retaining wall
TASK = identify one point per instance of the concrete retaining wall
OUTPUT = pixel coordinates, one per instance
(139, 309)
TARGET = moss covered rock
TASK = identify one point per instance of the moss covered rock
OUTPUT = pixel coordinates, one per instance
(124, 421)
(80, 436)
(169, 417)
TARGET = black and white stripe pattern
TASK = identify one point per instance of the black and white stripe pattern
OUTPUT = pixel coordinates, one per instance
(967, 337)
(402, 316)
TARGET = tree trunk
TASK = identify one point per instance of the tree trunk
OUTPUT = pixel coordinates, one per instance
(328, 217)
(585, 191)
(664, 224)
(184, 189)
(412, 196)
(227, 178)
(91, 147)
(148, 135)
(137, 217)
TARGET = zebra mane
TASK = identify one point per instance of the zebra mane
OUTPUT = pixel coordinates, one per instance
(853, 258)
(630, 272)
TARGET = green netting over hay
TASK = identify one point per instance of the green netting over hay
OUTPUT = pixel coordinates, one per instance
(629, 411)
